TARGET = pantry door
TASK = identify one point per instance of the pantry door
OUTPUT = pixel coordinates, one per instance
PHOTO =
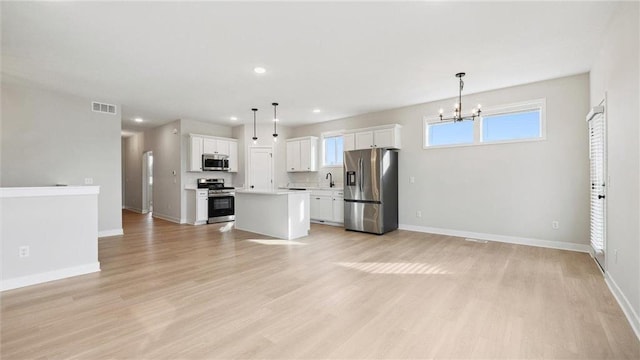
(260, 168)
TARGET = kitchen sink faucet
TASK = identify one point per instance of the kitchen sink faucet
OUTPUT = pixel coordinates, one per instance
(330, 177)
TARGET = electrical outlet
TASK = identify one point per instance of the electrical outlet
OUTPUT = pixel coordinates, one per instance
(412, 179)
(23, 251)
(88, 181)
(419, 213)
(555, 225)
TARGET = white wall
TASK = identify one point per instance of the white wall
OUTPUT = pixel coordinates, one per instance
(506, 190)
(615, 72)
(52, 138)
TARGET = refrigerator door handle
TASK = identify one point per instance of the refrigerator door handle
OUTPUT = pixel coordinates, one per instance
(360, 170)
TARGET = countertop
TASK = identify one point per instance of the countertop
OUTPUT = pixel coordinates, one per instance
(34, 191)
(309, 188)
(272, 192)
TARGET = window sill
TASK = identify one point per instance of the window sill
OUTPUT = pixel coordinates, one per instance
(484, 143)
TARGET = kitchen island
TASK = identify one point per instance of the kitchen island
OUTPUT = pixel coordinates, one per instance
(281, 214)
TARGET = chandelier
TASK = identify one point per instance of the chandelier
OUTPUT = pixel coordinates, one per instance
(457, 111)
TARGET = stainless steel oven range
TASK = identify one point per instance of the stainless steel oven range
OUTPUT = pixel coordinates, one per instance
(221, 200)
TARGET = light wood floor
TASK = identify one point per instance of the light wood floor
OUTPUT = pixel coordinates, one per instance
(170, 291)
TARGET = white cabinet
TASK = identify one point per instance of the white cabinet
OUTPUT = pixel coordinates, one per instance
(202, 206)
(387, 136)
(204, 144)
(195, 152)
(321, 207)
(338, 206)
(233, 156)
(327, 205)
(293, 155)
(349, 141)
(302, 154)
(215, 146)
(364, 140)
(197, 206)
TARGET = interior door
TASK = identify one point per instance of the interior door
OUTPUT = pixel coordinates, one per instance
(597, 157)
(261, 168)
(147, 182)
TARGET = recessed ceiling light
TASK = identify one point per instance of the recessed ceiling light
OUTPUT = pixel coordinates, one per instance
(259, 70)
(316, 110)
(138, 120)
(233, 118)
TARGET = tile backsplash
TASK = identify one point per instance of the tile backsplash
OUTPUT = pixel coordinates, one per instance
(317, 178)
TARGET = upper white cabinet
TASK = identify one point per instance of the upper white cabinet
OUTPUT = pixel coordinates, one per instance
(203, 144)
(233, 156)
(302, 154)
(387, 136)
(215, 146)
(194, 154)
(349, 141)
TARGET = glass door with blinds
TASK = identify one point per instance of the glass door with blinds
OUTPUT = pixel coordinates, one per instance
(597, 162)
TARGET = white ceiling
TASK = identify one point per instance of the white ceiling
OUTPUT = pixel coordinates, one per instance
(168, 60)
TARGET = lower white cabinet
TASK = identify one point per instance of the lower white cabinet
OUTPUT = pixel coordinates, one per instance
(338, 207)
(197, 206)
(327, 205)
(321, 208)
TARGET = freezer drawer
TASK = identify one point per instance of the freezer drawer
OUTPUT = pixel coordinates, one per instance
(368, 217)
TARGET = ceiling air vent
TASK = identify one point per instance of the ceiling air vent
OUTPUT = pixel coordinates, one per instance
(103, 108)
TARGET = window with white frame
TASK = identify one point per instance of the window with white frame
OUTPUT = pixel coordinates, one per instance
(504, 124)
(332, 149)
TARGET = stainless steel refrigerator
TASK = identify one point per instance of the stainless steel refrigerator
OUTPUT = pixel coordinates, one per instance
(371, 190)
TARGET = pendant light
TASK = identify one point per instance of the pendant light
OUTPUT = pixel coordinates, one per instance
(255, 138)
(275, 121)
(457, 111)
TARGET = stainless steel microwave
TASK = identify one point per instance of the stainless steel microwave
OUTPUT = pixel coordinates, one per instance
(215, 162)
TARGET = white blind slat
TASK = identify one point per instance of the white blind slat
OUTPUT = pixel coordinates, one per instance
(596, 157)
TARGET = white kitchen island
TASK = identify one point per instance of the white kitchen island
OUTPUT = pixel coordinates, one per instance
(281, 214)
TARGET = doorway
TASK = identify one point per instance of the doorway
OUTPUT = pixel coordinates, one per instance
(147, 182)
(261, 168)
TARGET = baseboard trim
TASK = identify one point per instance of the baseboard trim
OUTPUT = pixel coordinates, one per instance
(624, 303)
(500, 238)
(112, 232)
(135, 210)
(39, 278)
(166, 217)
(324, 222)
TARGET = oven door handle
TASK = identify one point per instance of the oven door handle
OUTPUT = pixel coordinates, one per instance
(222, 195)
